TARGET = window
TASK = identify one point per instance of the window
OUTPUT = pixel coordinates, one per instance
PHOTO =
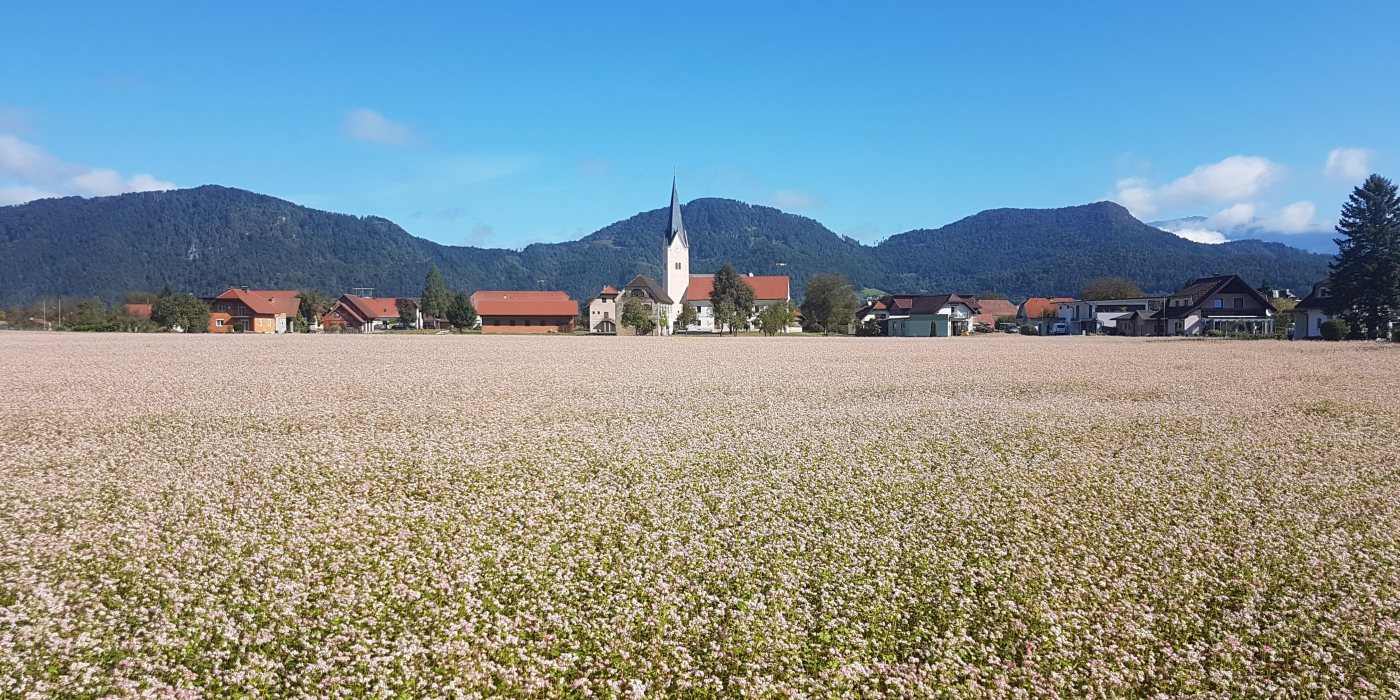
(1239, 303)
(219, 323)
(1217, 303)
(678, 266)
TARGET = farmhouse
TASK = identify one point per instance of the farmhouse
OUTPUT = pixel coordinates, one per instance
(359, 314)
(767, 291)
(926, 315)
(993, 309)
(602, 312)
(525, 311)
(253, 311)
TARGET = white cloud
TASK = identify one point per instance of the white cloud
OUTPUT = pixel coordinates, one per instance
(1298, 217)
(795, 199)
(36, 174)
(1232, 216)
(373, 127)
(1348, 164)
(1232, 179)
(1201, 235)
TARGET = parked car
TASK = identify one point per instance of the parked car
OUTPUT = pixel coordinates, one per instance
(1060, 328)
(1010, 328)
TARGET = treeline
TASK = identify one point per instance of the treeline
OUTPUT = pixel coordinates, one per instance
(208, 238)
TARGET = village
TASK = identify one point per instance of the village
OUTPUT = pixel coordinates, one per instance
(683, 302)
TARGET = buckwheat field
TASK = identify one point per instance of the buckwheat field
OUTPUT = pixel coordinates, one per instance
(428, 516)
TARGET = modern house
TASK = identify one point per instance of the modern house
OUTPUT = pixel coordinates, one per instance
(602, 312)
(1101, 315)
(357, 314)
(254, 311)
(767, 291)
(525, 311)
(1040, 312)
(1223, 303)
(929, 315)
(1309, 314)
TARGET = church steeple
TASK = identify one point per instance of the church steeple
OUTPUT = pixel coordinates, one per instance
(677, 228)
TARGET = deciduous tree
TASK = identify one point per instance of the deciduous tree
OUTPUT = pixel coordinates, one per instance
(773, 318)
(408, 312)
(1110, 288)
(687, 318)
(634, 316)
(829, 301)
(183, 311)
(732, 299)
(313, 305)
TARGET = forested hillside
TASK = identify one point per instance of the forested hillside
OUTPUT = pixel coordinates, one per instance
(207, 238)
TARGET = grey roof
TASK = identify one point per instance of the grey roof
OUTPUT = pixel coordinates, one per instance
(676, 228)
(652, 286)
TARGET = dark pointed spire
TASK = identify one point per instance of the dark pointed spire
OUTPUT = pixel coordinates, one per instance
(676, 228)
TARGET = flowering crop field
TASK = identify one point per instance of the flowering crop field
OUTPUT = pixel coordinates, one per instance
(434, 516)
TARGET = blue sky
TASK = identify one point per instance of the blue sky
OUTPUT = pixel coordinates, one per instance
(509, 123)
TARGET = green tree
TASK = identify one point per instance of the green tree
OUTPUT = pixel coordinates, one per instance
(829, 301)
(732, 299)
(313, 305)
(634, 316)
(183, 311)
(1110, 288)
(461, 313)
(1366, 271)
(139, 298)
(435, 296)
(870, 329)
(687, 318)
(773, 318)
(408, 312)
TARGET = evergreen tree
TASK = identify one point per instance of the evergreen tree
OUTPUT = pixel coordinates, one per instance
(461, 313)
(435, 295)
(732, 299)
(1366, 271)
(829, 301)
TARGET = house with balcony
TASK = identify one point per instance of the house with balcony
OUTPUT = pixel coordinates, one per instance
(245, 310)
(929, 315)
(1101, 315)
(1224, 303)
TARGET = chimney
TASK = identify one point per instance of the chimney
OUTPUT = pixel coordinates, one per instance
(244, 288)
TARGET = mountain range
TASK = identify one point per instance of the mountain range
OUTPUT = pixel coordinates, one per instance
(207, 238)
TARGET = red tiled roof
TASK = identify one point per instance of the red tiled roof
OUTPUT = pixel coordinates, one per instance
(997, 307)
(765, 287)
(139, 310)
(607, 289)
(374, 307)
(521, 295)
(493, 303)
(265, 302)
(1036, 307)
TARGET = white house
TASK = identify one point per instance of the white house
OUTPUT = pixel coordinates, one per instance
(1099, 316)
(1309, 314)
(602, 312)
(929, 315)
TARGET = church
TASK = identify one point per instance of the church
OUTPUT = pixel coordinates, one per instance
(664, 299)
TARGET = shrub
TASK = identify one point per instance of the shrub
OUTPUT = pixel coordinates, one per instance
(1215, 333)
(1395, 335)
(1030, 330)
(869, 329)
(1334, 329)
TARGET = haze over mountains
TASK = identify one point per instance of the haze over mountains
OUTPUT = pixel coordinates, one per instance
(1203, 229)
(208, 238)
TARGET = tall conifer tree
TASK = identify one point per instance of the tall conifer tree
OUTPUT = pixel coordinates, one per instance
(1366, 271)
(435, 296)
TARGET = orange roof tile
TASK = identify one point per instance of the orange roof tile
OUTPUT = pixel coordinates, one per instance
(498, 303)
(1038, 307)
(268, 302)
(765, 287)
